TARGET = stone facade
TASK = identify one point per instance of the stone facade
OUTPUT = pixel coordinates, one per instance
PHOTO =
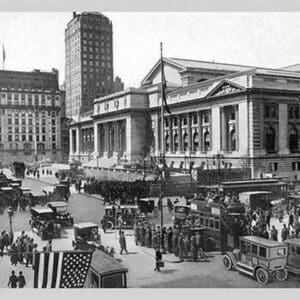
(222, 116)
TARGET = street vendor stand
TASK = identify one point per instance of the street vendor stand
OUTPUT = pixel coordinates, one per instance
(105, 272)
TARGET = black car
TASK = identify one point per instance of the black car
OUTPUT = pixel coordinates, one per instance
(61, 215)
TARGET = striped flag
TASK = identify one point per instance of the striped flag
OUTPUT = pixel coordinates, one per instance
(63, 269)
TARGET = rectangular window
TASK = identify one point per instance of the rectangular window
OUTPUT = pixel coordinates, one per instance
(43, 138)
(53, 122)
(298, 165)
(9, 138)
(43, 129)
(16, 138)
(30, 138)
(53, 146)
(9, 122)
(262, 252)
(254, 249)
(37, 138)
(275, 166)
(23, 138)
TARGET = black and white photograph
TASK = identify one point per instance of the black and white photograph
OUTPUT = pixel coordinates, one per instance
(149, 150)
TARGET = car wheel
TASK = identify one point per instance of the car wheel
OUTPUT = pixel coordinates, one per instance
(282, 274)
(227, 262)
(109, 225)
(262, 276)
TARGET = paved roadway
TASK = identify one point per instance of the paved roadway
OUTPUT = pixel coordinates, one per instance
(140, 260)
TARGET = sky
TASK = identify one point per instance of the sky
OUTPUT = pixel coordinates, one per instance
(36, 40)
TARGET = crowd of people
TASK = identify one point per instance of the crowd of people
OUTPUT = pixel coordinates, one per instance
(112, 190)
(22, 250)
(174, 240)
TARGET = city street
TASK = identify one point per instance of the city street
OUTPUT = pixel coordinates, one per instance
(207, 274)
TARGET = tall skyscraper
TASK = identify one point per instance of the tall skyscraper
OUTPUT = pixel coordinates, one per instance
(89, 61)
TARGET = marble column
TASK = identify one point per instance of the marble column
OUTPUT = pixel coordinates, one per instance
(179, 133)
(189, 132)
(223, 130)
(283, 129)
(71, 141)
(96, 140)
(236, 114)
(171, 135)
(77, 140)
(200, 133)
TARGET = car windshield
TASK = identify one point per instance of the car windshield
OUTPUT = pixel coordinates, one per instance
(61, 209)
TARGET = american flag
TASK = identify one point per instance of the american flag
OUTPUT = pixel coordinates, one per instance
(63, 269)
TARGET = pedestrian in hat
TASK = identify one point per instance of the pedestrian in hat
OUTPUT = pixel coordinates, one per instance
(12, 281)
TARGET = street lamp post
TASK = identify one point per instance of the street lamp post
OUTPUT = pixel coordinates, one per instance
(10, 215)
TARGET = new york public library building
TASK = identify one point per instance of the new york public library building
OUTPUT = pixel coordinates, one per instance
(222, 116)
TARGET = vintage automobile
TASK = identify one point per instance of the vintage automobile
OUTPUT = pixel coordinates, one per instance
(293, 261)
(65, 182)
(43, 223)
(62, 191)
(106, 272)
(259, 258)
(180, 213)
(147, 206)
(38, 198)
(62, 216)
(86, 236)
(128, 213)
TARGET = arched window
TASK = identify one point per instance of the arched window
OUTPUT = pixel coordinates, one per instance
(206, 139)
(270, 139)
(176, 142)
(233, 140)
(185, 142)
(196, 141)
(293, 139)
(167, 142)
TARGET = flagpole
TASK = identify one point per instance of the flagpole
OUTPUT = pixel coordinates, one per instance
(162, 146)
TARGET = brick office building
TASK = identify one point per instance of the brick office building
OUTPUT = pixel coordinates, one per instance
(88, 61)
(30, 116)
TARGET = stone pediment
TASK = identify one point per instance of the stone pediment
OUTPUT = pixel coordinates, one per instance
(225, 87)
